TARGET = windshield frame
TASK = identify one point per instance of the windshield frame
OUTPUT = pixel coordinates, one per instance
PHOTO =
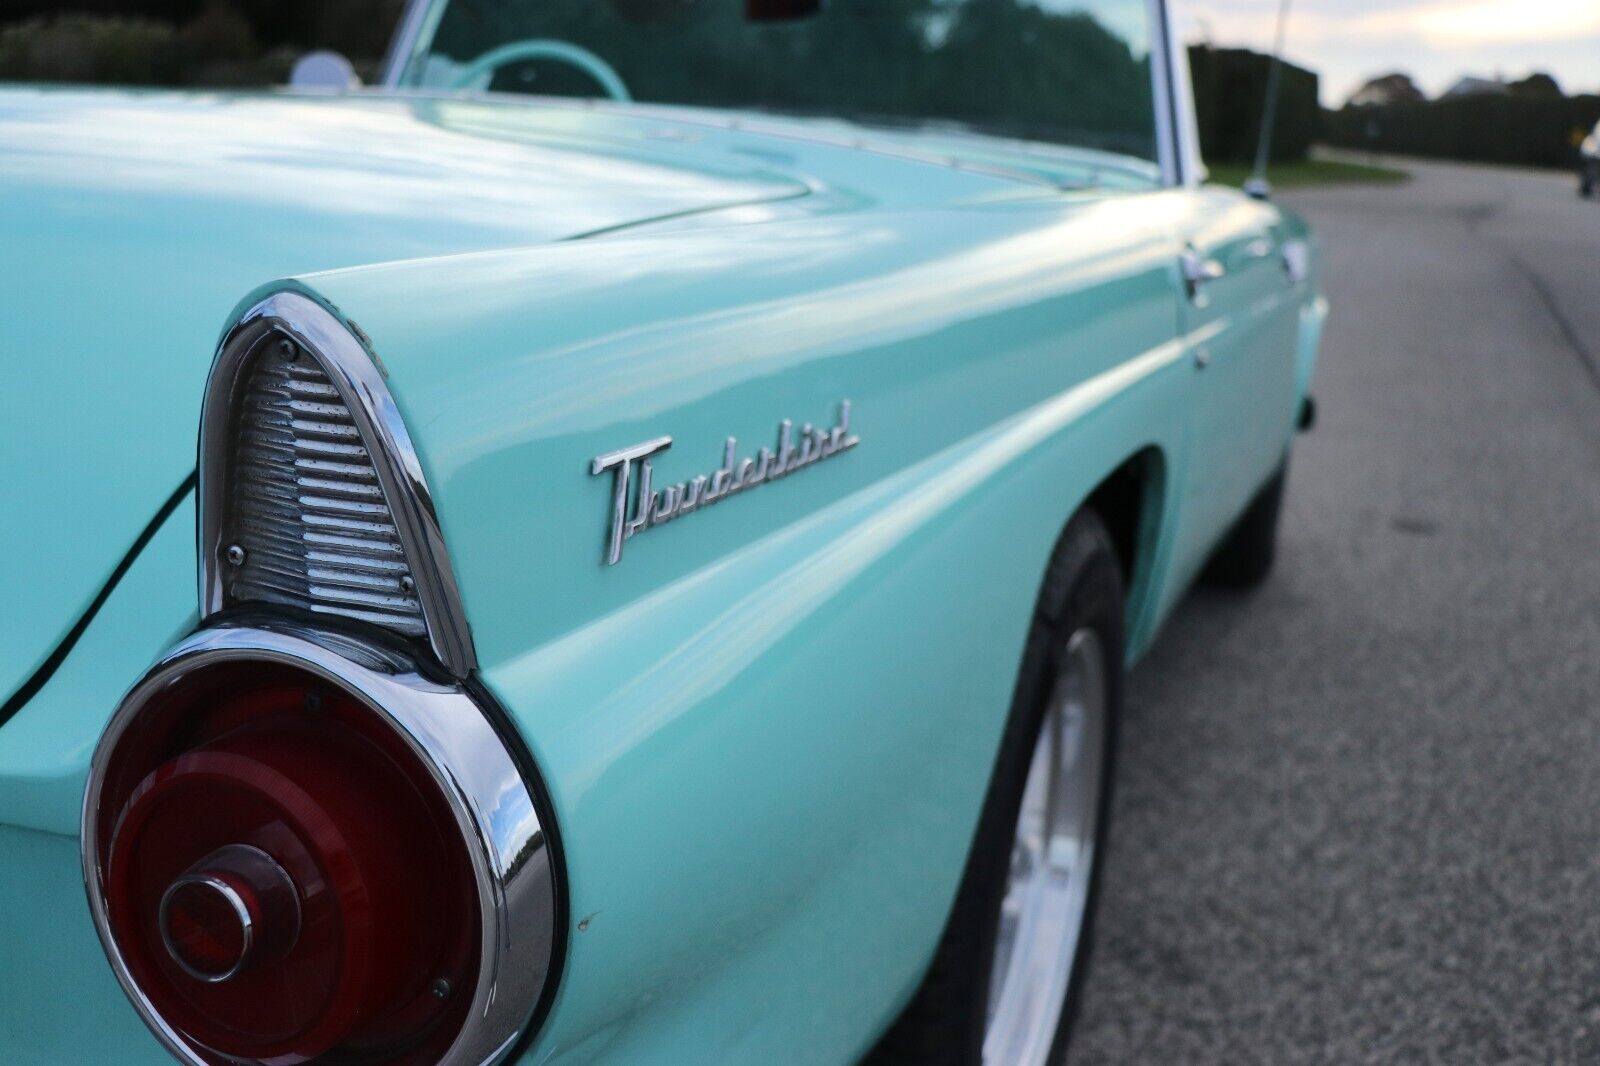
(1177, 135)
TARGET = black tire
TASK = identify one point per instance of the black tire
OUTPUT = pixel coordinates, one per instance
(944, 1023)
(1245, 557)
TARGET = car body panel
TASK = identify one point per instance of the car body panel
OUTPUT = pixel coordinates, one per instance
(135, 219)
(62, 1004)
(723, 716)
(1244, 405)
(52, 957)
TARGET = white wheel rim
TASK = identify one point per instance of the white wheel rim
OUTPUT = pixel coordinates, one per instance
(1047, 889)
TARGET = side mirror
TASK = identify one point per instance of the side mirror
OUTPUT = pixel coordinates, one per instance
(324, 72)
(780, 10)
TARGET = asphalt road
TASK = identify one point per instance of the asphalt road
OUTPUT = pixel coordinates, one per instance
(1358, 813)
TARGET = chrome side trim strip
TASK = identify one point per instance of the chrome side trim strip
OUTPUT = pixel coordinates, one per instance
(354, 371)
(493, 805)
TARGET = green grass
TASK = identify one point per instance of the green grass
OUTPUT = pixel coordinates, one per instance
(1313, 172)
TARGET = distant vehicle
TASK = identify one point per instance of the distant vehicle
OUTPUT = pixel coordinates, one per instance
(1589, 164)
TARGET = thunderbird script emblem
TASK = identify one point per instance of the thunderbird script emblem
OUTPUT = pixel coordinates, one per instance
(636, 506)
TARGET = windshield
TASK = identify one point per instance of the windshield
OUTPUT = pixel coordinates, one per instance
(1073, 72)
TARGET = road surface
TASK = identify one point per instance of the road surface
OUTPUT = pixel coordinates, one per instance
(1358, 813)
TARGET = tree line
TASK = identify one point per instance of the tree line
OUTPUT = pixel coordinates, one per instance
(213, 43)
(1528, 123)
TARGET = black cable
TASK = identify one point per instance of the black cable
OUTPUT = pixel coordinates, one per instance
(48, 668)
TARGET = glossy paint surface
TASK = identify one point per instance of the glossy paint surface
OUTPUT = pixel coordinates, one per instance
(767, 730)
(1245, 328)
(133, 221)
(59, 1002)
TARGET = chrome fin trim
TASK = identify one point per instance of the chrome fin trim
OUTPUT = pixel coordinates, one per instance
(331, 562)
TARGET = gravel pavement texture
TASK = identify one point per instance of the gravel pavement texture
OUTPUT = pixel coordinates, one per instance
(1358, 811)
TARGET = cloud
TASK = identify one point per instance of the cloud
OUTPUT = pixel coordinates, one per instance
(1456, 25)
(1436, 40)
(1504, 21)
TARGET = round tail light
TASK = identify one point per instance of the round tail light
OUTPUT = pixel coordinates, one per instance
(296, 855)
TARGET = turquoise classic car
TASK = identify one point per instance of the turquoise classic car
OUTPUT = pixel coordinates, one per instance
(679, 484)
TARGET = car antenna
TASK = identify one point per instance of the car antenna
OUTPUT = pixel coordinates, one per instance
(1258, 186)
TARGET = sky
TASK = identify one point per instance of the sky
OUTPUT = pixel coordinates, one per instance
(1435, 41)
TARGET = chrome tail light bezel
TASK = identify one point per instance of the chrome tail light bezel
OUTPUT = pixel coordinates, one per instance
(346, 358)
(497, 810)
(420, 689)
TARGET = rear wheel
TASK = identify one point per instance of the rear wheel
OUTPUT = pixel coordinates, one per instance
(1245, 557)
(1004, 982)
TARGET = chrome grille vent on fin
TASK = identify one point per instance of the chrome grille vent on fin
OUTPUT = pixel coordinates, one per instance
(312, 494)
(308, 517)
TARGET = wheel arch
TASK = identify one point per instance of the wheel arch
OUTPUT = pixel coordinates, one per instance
(1132, 501)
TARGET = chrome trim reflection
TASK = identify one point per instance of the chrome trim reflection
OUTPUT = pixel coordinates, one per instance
(1297, 260)
(1192, 168)
(1178, 135)
(354, 371)
(1161, 93)
(493, 805)
(273, 891)
(651, 508)
(403, 45)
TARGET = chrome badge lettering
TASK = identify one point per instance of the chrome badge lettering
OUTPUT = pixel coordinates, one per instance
(636, 506)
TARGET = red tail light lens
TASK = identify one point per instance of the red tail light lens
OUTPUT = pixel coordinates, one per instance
(232, 910)
(283, 875)
(207, 928)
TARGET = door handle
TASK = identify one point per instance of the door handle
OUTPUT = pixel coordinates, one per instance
(1198, 272)
(1260, 248)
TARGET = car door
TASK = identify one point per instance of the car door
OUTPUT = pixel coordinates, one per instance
(1240, 325)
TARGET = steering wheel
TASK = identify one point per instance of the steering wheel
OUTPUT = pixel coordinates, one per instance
(517, 51)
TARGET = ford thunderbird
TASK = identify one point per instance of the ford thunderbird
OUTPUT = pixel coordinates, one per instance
(619, 544)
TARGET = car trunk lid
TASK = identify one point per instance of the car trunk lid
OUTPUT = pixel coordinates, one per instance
(133, 222)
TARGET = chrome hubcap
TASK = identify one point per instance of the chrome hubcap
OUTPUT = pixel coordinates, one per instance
(1047, 891)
